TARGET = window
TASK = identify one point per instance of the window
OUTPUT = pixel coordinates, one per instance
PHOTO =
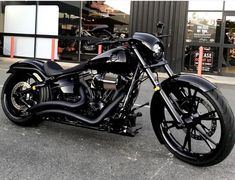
(229, 5)
(19, 19)
(100, 19)
(203, 27)
(209, 62)
(104, 19)
(205, 4)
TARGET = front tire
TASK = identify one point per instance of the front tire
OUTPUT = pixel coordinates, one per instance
(208, 138)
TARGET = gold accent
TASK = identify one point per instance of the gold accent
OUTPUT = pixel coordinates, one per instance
(34, 88)
(157, 88)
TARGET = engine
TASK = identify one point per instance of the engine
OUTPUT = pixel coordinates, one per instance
(107, 81)
(99, 89)
(102, 89)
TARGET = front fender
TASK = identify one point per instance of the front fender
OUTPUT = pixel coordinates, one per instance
(28, 66)
(193, 80)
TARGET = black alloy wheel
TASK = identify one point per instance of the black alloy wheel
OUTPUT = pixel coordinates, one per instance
(17, 97)
(208, 135)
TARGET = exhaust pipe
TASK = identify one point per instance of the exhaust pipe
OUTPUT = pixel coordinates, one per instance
(85, 119)
(59, 104)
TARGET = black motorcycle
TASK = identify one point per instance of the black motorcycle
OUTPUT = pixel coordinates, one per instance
(189, 114)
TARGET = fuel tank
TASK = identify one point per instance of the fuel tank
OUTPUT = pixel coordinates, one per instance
(117, 60)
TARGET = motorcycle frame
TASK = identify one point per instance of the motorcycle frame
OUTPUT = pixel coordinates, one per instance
(148, 71)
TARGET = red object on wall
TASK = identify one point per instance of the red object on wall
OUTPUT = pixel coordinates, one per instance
(12, 47)
(199, 69)
(53, 49)
(99, 49)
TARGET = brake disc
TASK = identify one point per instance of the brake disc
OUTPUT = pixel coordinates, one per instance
(210, 128)
(20, 86)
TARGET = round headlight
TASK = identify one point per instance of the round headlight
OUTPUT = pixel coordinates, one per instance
(156, 48)
(157, 51)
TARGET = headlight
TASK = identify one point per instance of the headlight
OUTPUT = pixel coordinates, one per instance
(157, 51)
(156, 48)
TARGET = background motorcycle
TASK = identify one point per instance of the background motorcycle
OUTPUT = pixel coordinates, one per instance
(97, 33)
(189, 114)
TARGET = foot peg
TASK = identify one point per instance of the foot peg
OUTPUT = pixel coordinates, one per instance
(135, 115)
(138, 107)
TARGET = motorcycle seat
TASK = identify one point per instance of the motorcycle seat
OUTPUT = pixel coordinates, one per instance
(52, 68)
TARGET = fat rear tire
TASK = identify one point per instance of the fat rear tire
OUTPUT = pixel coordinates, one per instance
(7, 106)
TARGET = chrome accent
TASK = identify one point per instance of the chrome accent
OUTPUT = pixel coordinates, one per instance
(169, 70)
(109, 81)
(37, 77)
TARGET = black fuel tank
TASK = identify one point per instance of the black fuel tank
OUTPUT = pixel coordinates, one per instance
(117, 60)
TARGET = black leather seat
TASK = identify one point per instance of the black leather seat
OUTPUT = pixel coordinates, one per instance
(54, 69)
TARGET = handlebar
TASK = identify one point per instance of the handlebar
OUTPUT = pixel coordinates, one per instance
(99, 41)
(106, 42)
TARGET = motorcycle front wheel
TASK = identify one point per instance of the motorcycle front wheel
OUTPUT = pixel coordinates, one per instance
(208, 135)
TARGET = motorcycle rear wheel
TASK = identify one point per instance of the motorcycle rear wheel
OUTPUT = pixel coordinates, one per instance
(15, 109)
(205, 140)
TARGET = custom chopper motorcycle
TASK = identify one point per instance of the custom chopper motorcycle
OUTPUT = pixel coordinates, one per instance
(189, 114)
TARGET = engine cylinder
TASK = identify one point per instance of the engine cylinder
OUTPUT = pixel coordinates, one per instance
(109, 81)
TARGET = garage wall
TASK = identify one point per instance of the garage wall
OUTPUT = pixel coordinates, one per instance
(146, 14)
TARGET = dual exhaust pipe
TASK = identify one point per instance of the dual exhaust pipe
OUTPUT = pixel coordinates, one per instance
(69, 109)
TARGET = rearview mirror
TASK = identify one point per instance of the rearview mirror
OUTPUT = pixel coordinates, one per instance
(160, 27)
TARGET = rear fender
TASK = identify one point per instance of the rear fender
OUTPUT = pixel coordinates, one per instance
(33, 66)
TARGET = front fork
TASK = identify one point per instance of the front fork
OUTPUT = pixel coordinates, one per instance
(156, 85)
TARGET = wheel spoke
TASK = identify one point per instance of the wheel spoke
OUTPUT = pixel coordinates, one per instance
(211, 118)
(208, 143)
(206, 115)
(183, 92)
(169, 122)
(205, 136)
(171, 126)
(194, 99)
(189, 92)
(197, 105)
(195, 93)
(187, 140)
(204, 127)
